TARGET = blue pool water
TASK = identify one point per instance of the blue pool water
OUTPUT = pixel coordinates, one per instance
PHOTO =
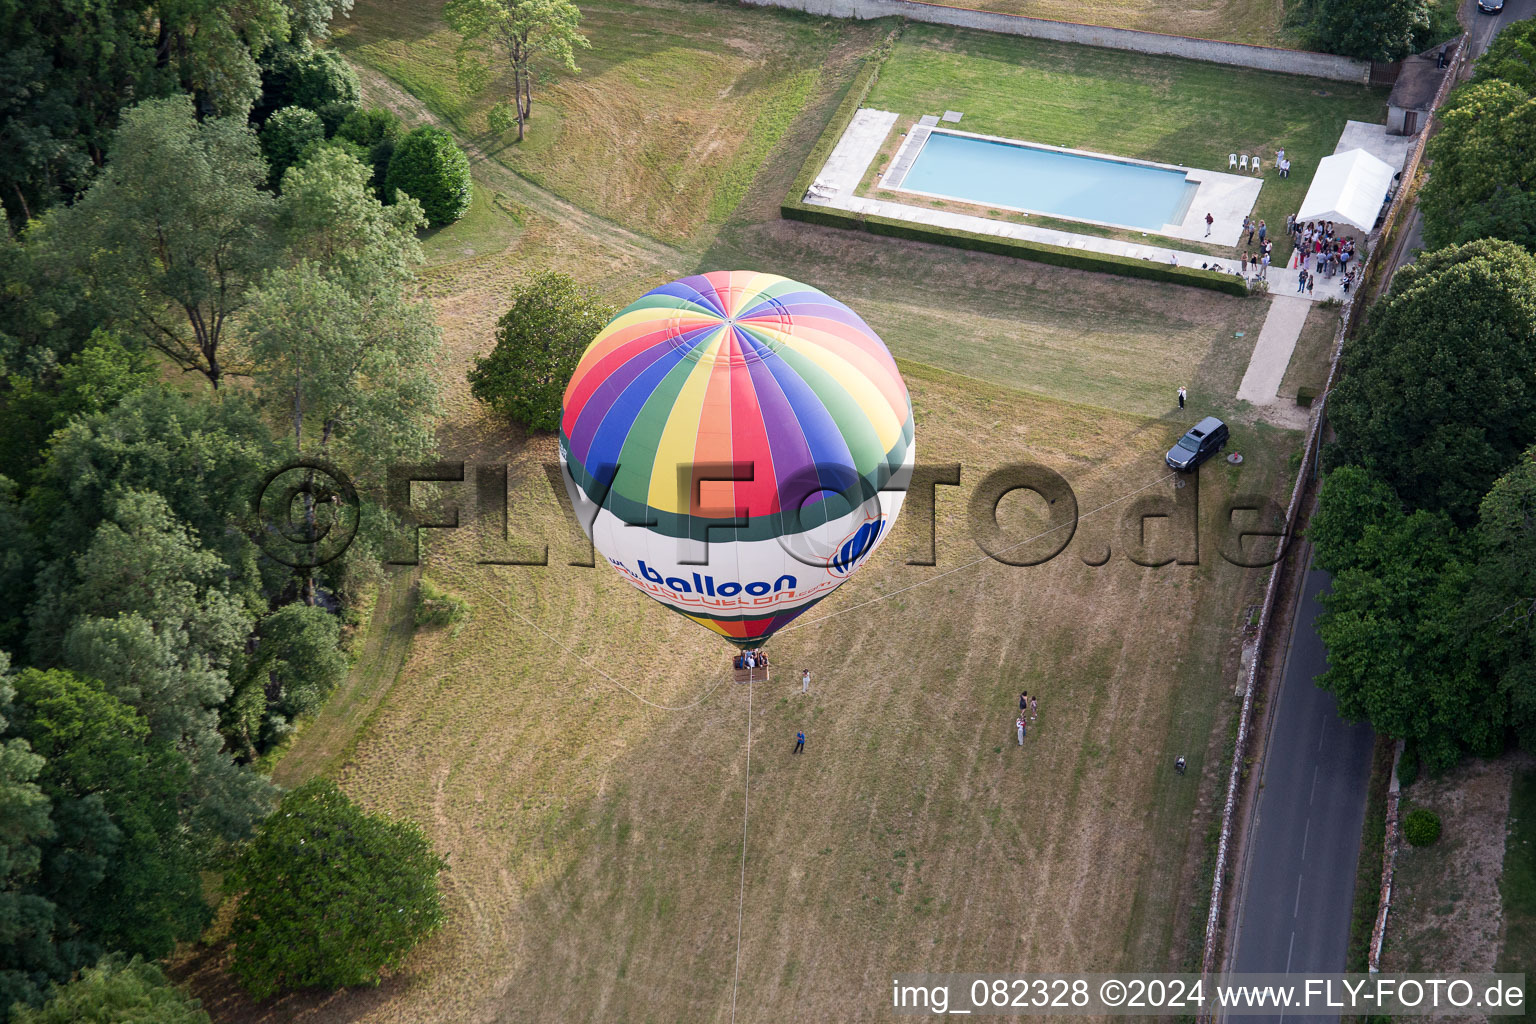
(1050, 182)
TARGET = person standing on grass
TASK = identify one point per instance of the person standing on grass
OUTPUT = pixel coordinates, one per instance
(1263, 230)
(1024, 701)
(1020, 726)
(805, 681)
(1251, 227)
(1183, 394)
(1034, 709)
(1209, 220)
(799, 741)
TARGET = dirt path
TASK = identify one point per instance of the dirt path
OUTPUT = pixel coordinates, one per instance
(379, 89)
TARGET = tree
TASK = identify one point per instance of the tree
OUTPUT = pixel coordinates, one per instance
(296, 664)
(1511, 57)
(18, 564)
(1439, 394)
(285, 137)
(341, 351)
(1481, 186)
(428, 166)
(29, 956)
(91, 381)
(302, 75)
(311, 19)
(116, 990)
(1396, 655)
(69, 67)
(523, 36)
(175, 230)
(329, 895)
(203, 458)
(1500, 614)
(122, 870)
(147, 611)
(539, 341)
(1381, 31)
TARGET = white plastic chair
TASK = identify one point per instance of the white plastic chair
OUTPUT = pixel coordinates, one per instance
(1255, 165)
(1242, 163)
(1231, 161)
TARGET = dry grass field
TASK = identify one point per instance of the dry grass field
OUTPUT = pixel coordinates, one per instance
(595, 837)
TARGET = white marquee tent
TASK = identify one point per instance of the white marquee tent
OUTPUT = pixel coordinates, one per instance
(1348, 189)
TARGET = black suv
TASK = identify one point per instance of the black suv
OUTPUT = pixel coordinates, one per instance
(1204, 439)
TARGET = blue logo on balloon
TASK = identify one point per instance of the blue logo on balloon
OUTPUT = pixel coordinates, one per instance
(852, 551)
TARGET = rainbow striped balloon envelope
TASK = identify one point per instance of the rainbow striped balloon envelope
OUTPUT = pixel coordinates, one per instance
(736, 444)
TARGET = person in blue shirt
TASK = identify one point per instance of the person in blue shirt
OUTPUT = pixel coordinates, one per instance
(799, 742)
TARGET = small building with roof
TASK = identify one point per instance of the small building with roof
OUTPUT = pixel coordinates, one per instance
(1413, 94)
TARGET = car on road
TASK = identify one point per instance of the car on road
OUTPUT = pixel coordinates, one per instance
(1203, 440)
(1490, 6)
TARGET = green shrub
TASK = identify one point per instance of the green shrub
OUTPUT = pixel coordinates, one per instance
(375, 131)
(501, 118)
(329, 895)
(1421, 827)
(116, 991)
(1059, 256)
(428, 166)
(286, 136)
(435, 607)
(539, 341)
(333, 114)
(367, 127)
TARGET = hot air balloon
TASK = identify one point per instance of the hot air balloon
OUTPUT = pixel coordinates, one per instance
(737, 444)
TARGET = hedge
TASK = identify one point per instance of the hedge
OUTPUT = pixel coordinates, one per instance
(795, 208)
(1076, 259)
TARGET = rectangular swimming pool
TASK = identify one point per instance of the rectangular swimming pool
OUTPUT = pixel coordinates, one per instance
(1018, 176)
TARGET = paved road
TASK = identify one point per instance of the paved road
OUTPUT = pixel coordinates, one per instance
(1305, 837)
(1297, 883)
(1483, 27)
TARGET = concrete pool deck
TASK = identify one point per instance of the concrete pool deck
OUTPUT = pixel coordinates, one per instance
(1226, 197)
(867, 131)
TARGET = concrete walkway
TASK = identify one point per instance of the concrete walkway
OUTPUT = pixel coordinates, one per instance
(1271, 355)
(854, 152)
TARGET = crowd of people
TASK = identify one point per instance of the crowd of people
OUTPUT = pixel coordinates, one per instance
(1320, 251)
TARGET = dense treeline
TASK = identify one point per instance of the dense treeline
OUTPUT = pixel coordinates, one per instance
(203, 280)
(1428, 517)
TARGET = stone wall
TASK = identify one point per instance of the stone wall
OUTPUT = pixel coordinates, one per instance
(1265, 58)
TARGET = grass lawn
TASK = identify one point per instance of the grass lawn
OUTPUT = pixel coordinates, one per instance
(662, 131)
(1125, 104)
(1309, 360)
(1519, 881)
(1236, 21)
(594, 839)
